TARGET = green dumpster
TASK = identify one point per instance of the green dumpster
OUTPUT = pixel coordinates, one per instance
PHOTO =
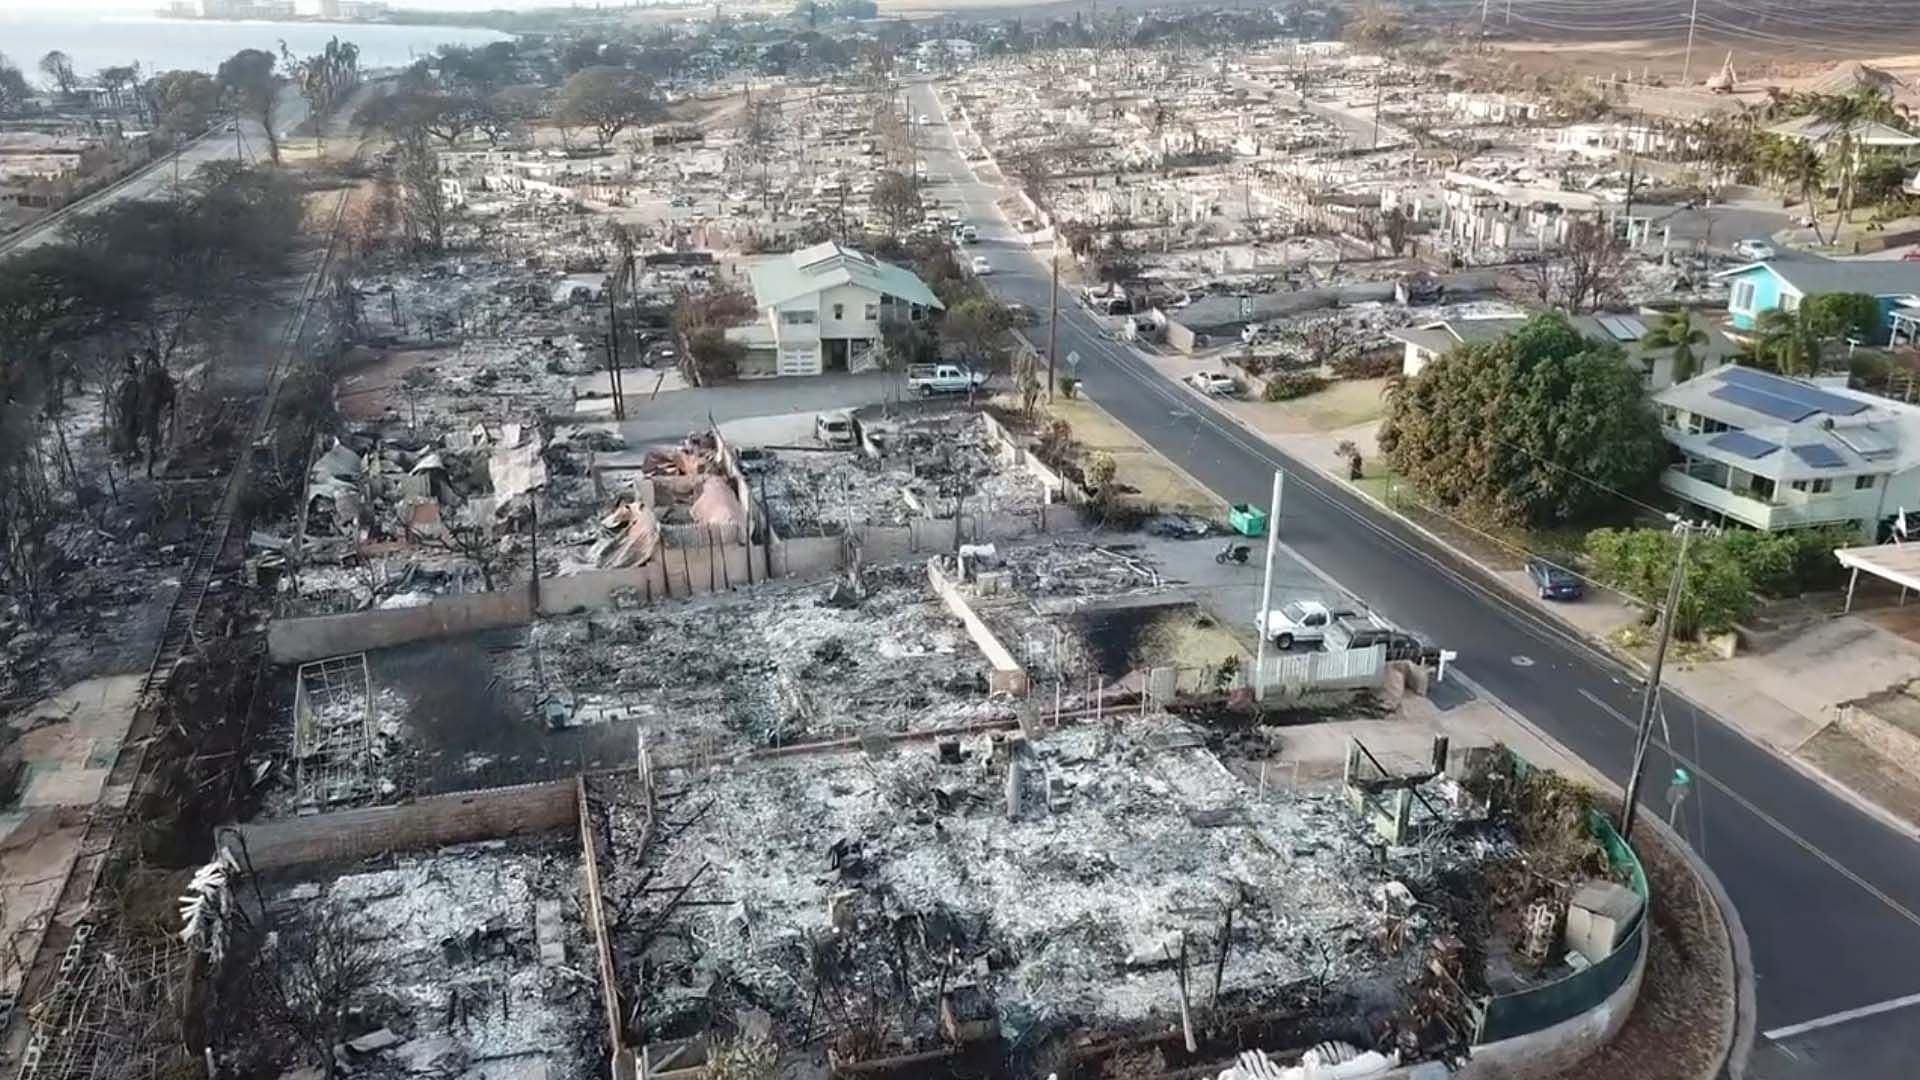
(1247, 520)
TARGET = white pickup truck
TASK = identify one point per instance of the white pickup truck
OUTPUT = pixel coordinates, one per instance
(1302, 622)
(930, 379)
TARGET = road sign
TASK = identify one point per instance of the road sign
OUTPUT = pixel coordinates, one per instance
(1246, 307)
(1073, 360)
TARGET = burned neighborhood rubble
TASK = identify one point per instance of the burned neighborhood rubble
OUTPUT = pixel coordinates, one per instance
(1005, 903)
(467, 960)
(911, 466)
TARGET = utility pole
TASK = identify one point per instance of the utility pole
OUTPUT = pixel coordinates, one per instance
(1686, 68)
(1650, 699)
(1053, 319)
(1266, 589)
(1484, 6)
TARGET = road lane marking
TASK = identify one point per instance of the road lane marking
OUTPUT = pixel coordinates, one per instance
(1747, 804)
(1832, 1019)
(1153, 384)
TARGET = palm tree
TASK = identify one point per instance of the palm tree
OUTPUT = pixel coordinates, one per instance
(1845, 114)
(1677, 333)
(1788, 342)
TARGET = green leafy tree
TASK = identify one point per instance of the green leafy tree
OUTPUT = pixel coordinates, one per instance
(1843, 315)
(184, 101)
(58, 68)
(1640, 562)
(896, 199)
(977, 329)
(1537, 427)
(14, 91)
(1677, 334)
(248, 81)
(1789, 342)
(609, 100)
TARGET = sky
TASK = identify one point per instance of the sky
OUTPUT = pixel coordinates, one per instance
(136, 7)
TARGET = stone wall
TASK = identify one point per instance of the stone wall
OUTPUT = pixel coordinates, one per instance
(424, 823)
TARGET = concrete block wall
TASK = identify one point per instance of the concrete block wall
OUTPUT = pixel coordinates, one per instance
(424, 823)
(292, 641)
(1888, 739)
(1007, 675)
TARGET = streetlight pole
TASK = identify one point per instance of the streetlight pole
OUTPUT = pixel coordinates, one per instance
(1650, 699)
(1266, 589)
(1053, 319)
(1686, 67)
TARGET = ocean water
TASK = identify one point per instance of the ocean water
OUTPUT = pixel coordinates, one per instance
(97, 41)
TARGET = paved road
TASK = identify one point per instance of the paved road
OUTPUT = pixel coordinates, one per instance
(151, 182)
(159, 177)
(1828, 894)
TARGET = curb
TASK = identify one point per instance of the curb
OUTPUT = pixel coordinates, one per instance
(1826, 780)
(1737, 1031)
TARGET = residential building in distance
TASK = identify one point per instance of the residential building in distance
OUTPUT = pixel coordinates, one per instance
(1773, 453)
(1783, 281)
(1430, 341)
(823, 307)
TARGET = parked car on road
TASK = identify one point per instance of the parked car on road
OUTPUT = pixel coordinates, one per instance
(981, 266)
(1553, 581)
(1752, 248)
(1214, 383)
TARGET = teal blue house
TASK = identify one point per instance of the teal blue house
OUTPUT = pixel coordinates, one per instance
(1782, 282)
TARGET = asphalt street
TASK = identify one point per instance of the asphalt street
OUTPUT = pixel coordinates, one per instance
(1828, 894)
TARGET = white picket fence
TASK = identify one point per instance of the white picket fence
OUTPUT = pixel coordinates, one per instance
(1349, 669)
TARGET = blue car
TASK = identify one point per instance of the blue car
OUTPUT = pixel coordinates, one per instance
(1554, 581)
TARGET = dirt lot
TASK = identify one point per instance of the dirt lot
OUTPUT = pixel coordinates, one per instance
(1152, 479)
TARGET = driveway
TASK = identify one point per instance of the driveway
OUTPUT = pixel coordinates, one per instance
(763, 410)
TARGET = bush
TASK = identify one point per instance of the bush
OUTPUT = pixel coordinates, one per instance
(1639, 562)
(1723, 572)
(1288, 387)
(1069, 387)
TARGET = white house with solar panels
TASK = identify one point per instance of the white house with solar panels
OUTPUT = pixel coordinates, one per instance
(1430, 341)
(1772, 453)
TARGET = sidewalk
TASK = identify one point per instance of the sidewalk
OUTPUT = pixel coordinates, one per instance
(1787, 699)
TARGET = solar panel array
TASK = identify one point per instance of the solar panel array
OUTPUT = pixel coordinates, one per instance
(1811, 398)
(1623, 327)
(1819, 456)
(1867, 441)
(1739, 442)
(1762, 402)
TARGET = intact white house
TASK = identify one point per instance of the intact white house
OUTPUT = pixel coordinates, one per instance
(822, 309)
(1775, 453)
(1430, 341)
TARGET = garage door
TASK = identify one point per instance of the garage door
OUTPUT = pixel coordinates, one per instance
(799, 361)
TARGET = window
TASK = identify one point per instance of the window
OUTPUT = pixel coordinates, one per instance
(1760, 487)
(873, 312)
(1710, 426)
(1862, 483)
(1670, 416)
(1742, 297)
(1814, 487)
(1789, 302)
(797, 318)
(839, 312)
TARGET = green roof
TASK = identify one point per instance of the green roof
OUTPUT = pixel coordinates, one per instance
(827, 266)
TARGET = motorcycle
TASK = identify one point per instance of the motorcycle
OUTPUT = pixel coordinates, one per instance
(1232, 553)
